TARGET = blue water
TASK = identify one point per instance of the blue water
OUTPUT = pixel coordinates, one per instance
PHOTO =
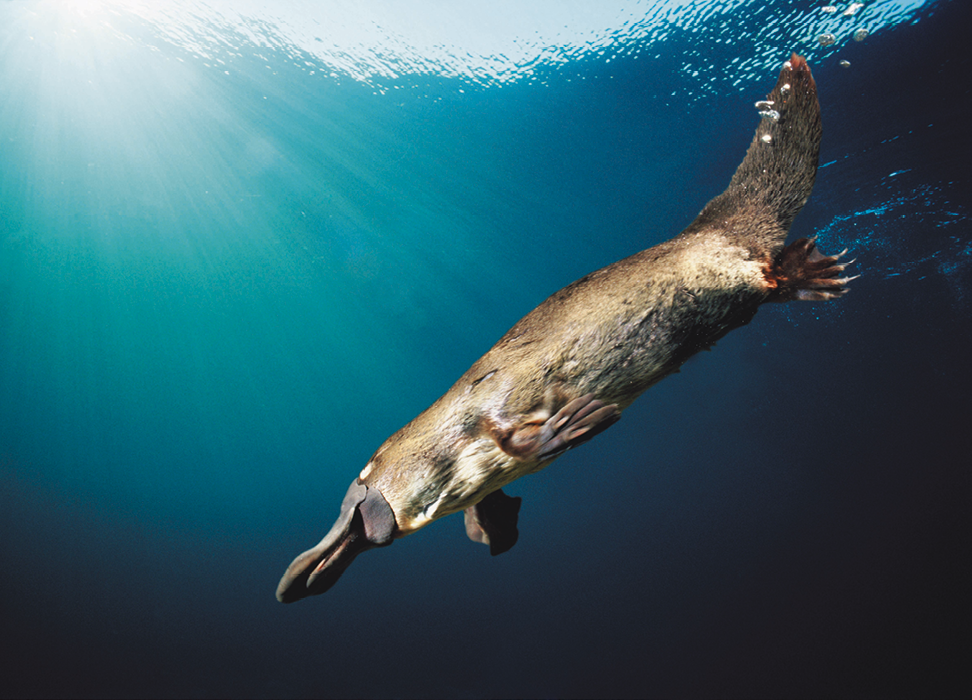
(238, 249)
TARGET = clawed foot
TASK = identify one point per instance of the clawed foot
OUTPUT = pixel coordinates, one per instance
(575, 423)
(801, 271)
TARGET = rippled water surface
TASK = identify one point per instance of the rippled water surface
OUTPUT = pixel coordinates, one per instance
(242, 243)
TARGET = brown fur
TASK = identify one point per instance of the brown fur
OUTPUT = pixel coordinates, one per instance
(620, 329)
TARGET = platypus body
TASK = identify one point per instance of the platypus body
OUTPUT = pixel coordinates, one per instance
(567, 370)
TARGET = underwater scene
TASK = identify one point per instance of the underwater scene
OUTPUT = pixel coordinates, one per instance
(242, 243)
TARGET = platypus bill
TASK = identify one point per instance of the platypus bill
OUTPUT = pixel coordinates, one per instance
(566, 370)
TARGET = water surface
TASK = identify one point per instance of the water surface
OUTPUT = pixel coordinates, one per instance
(242, 243)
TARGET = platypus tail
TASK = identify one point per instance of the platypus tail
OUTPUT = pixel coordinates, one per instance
(776, 177)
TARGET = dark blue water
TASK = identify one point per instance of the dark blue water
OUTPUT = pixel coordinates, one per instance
(237, 254)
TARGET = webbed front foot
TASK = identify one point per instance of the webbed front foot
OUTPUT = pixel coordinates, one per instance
(545, 438)
(493, 521)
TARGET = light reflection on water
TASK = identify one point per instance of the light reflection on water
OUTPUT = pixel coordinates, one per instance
(388, 44)
(234, 259)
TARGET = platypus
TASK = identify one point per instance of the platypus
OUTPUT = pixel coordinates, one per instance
(568, 369)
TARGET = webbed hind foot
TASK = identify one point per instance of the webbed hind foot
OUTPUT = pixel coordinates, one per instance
(801, 271)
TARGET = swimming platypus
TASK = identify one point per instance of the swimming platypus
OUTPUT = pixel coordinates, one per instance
(566, 370)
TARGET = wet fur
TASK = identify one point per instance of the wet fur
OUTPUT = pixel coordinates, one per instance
(569, 368)
(618, 330)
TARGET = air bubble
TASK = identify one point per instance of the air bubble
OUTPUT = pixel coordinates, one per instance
(860, 35)
(852, 10)
(766, 138)
(770, 114)
(845, 64)
(763, 105)
(826, 39)
(828, 9)
(784, 88)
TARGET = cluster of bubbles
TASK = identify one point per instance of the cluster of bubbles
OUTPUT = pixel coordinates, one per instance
(766, 111)
(829, 39)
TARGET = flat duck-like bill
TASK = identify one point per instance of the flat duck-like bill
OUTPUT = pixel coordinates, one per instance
(366, 521)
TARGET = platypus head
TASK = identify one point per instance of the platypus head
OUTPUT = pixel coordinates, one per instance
(366, 521)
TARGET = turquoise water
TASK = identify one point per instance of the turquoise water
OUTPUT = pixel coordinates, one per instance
(239, 248)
